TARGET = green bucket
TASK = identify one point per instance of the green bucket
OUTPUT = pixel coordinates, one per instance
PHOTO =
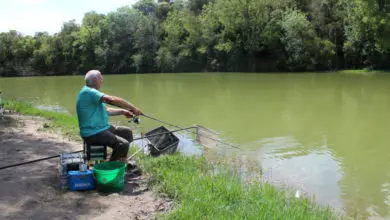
(110, 176)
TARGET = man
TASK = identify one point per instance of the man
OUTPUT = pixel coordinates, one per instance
(93, 115)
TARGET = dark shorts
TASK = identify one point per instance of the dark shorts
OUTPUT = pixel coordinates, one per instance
(116, 137)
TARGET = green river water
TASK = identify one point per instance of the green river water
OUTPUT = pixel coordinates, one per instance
(327, 135)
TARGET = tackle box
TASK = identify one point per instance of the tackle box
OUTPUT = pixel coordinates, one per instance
(71, 161)
(81, 180)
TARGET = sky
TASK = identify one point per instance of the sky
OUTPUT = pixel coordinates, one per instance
(30, 16)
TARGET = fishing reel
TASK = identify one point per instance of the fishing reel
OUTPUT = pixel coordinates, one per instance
(135, 119)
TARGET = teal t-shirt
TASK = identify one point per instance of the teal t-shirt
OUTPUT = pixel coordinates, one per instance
(91, 112)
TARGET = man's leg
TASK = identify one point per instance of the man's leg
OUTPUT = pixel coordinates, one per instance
(123, 132)
(125, 135)
(120, 149)
(119, 145)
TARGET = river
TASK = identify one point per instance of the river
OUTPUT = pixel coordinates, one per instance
(323, 134)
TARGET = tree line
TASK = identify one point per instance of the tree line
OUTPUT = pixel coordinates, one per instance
(209, 35)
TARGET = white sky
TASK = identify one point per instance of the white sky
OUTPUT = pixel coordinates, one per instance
(30, 16)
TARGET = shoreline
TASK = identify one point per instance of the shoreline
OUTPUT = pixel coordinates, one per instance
(197, 190)
(341, 71)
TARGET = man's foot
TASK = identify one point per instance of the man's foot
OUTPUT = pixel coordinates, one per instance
(133, 174)
(133, 170)
(131, 165)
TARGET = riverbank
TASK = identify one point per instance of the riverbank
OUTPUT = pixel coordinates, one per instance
(32, 191)
(346, 71)
(366, 72)
(198, 191)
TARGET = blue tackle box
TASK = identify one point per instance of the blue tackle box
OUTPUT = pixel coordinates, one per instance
(81, 180)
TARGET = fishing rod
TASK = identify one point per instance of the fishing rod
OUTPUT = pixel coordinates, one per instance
(158, 120)
(135, 119)
(55, 156)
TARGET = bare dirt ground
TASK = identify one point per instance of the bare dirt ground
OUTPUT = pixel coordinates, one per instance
(32, 191)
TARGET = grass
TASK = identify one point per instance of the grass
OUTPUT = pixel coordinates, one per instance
(66, 123)
(201, 192)
(366, 72)
(199, 189)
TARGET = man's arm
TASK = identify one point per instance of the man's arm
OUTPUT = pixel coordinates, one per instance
(114, 111)
(121, 103)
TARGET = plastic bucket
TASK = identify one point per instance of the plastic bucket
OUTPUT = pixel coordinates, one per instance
(110, 176)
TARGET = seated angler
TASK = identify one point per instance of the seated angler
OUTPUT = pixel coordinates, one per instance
(93, 115)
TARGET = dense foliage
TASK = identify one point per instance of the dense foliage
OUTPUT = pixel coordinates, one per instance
(209, 35)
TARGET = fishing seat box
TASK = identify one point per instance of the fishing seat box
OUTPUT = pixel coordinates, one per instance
(94, 152)
(81, 180)
(162, 142)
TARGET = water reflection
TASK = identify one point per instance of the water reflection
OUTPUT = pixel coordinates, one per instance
(348, 184)
(314, 171)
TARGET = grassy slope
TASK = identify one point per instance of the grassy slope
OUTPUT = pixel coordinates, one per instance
(204, 194)
(199, 192)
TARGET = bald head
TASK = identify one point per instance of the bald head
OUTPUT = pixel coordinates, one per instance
(93, 79)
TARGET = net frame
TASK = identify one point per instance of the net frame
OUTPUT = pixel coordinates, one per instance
(206, 136)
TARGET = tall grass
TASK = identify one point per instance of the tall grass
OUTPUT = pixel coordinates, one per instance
(202, 190)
